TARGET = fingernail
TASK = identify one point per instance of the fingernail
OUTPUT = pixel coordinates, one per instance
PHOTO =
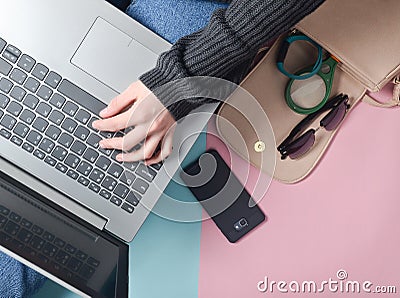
(103, 112)
(94, 124)
(119, 157)
(101, 144)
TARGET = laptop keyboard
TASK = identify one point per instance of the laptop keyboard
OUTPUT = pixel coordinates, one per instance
(50, 117)
(33, 241)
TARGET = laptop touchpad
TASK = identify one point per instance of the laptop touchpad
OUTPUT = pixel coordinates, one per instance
(112, 56)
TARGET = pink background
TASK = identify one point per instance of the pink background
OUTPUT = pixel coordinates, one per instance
(345, 215)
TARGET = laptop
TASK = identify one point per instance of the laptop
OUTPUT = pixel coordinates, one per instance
(67, 207)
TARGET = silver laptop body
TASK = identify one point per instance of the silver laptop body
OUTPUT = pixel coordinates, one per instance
(61, 35)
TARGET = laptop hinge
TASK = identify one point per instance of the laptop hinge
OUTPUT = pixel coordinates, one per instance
(56, 197)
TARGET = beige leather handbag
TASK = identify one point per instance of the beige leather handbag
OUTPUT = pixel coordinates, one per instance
(362, 34)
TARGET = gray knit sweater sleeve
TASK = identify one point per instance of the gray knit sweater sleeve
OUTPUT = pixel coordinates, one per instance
(226, 46)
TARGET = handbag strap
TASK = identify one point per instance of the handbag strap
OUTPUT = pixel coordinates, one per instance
(395, 101)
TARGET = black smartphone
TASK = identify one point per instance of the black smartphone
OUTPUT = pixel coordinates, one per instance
(222, 195)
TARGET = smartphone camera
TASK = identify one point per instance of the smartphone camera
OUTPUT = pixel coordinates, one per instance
(239, 225)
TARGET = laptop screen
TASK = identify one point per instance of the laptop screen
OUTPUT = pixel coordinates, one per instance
(61, 245)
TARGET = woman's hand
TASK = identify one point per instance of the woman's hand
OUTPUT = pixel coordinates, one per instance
(137, 106)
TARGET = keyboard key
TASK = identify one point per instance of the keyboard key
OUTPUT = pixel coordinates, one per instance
(2, 44)
(40, 71)
(105, 194)
(72, 160)
(43, 109)
(116, 201)
(133, 198)
(44, 92)
(57, 100)
(18, 93)
(62, 257)
(10, 57)
(109, 183)
(53, 79)
(56, 117)
(66, 140)
(11, 228)
(128, 208)
(90, 155)
(70, 108)
(27, 147)
(26, 223)
(140, 185)
(94, 187)
(37, 243)
(39, 154)
(27, 116)
(59, 242)
(115, 170)
(4, 210)
(82, 116)
(59, 153)
(93, 262)
(107, 134)
(3, 221)
(1, 113)
(106, 151)
(53, 132)
(49, 250)
(157, 166)
(13, 50)
(90, 124)
(97, 176)
(61, 167)
(26, 63)
(81, 133)
(114, 155)
(84, 181)
(5, 85)
(51, 161)
(78, 147)
(74, 264)
(17, 141)
(32, 85)
(17, 244)
(14, 108)
(93, 140)
(5, 67)
(84, 168)
(69, 125)
(103, 163)
(121, 191)
(5, 134)
(86, 272)
(47, 145)
(146, 173)
(81, 255)
(72, 174)
(8, 122)
(4, 100)
(81, 97)
(31, 101)
(37, 230)
(18, 76)
(127, 178)
(34, 137)
(40, 124)
(48, 236)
